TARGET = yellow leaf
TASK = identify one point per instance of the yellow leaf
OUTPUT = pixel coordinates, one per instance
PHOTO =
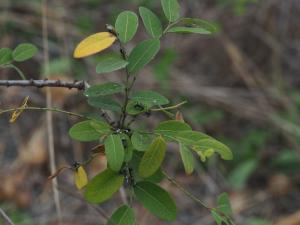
(206, 154)
(18, 111)
(81, 178)
(94, 44)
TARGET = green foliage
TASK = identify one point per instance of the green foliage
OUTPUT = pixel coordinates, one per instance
(151, 22)
(104, 89)
(21, 53)
(122, 216)
(89, 130)
(105, 103)
(5, 56)
(171, 9)
(142, 54)
(187, 158)
(149, 98)
(153, 157)
(141, 141)
(171, 128)
(224, 204)
(156, 200)
(114, 151)
(103, 186)
(135, 108)
(126, 25)
(24, 52)
(135, 158)
(194, 30)
(222, 213)
(110, 63)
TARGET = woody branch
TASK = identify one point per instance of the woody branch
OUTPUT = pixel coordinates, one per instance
(80, 85)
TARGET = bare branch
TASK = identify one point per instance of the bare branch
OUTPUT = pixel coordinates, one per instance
(80, 85)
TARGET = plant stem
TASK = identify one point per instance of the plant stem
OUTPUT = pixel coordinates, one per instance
(171, 25)
(44, 109)
(127, 87)
(170, 107)
(21, 74)
(186, 192)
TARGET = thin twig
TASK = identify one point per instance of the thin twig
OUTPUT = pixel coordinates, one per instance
(20, 73)
(170, 107)
(186, 192)
(5, 217)
(45, 109)
(80, 85)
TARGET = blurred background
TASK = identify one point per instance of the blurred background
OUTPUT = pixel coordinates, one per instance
(242, 87)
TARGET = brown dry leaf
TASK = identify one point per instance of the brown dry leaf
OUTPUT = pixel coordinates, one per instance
(179, 116)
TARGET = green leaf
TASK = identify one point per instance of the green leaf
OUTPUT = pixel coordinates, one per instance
(224, 204)
(187, 158)
(157, 177)
(122, 216)
(217, 217)
(128, 147)
(156, 200)
(189, 137)
(126, 25)
(134, 108)
(210, 143)
(24, 51)
(171, 128)
(89, 130)
(194, 30)
(104, 103)
(114, 151)
(149, 98)
(153, 157)
(141, 141)
(199, 23)
(110, 63)
(5, 56)
(171, 9)
(142, 54)
(104, 89)
(151, 22)
(103, 186)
